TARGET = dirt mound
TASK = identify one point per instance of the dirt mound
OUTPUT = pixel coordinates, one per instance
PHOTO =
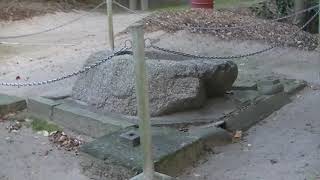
(255, 28)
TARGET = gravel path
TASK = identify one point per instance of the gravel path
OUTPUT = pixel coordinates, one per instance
(34, 63)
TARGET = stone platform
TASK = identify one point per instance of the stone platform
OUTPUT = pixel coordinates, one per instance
(179, 139)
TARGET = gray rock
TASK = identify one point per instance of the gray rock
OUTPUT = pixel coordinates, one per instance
(173, 85)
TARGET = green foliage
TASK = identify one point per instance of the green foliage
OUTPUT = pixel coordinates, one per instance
(42, 125)
(284, 6)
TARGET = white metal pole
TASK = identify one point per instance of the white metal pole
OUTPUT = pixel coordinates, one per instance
(133, 4)
(143, 100)
(110, 24)
(144, 5)
(319, 27)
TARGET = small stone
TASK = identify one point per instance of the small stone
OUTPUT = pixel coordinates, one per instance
(45, 133)
(62, 138)
(274, 161)
(238, 134)
(9, 140)
(46, 153)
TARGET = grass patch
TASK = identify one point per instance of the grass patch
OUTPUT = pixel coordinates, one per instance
(43, 125)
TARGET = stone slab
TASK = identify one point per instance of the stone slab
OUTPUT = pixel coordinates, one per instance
(86, 122)
(292, 86)
(41, 107)
(260, 109)
(214, 110)
(245, 85)
(11, 104)
(173, 150)
(244, 97)
(211, 135)
(157, 176)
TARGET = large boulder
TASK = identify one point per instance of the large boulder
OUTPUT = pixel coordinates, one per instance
(174, 85)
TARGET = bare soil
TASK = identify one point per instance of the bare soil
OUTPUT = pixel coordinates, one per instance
(23, 9)
(200, 21)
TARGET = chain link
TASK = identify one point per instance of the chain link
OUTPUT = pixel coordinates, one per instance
(120, 52)
(231, 56)
(211, 57)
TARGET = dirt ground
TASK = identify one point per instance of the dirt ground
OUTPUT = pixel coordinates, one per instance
(284, 145)
(26, 155)
(55, 53)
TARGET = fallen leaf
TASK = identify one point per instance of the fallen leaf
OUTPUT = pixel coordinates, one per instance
(238, 134)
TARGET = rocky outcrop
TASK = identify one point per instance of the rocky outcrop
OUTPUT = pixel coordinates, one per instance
(173, 85)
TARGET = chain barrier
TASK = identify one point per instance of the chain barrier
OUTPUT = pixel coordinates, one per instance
(122, 51)
(34, 44)
(54, 28)
(216, 28)
(232, 56)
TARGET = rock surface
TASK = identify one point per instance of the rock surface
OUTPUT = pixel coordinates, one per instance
(174, 85)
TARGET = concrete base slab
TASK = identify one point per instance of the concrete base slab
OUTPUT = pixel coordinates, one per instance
(75, 117)
(292, 86)
(41, 108)
(157, 176)
(260, 109)
(86, 122)
(11, 104)
(173, 150)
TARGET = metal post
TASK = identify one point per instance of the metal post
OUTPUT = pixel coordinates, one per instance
(110, 24)
(144, 5)
(143, 100)
(319, 27)
(133, 4)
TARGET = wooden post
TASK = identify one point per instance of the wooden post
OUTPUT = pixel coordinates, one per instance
(110, 24)
(144, 5)
(143, 100)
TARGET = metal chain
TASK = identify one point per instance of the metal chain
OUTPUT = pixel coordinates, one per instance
(120, 52)
(216, 28)
(232, 56)
(211, 57)
(54, 28)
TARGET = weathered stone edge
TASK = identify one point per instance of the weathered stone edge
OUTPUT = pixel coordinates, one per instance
(16, 104)
(262, 108)
(74, 118)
